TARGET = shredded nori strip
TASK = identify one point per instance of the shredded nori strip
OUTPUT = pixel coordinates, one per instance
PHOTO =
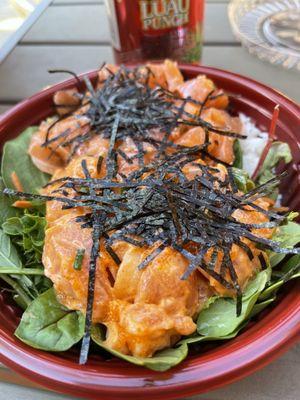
(96, 235)
(66, 71)
(99, 164)
(207, 98)
(262, 260)
(97, 225)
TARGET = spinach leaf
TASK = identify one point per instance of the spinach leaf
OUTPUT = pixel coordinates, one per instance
(11, 266)
(20, 296)
(28, 233)
(47, 325)
(6, 209)
(22, 271)
(16, 159)
(161, 361)
(292, 215)
(41, 283)
(220, 320)
(242, 180)
(279, 151)
(270, 291)
(238, 154)
(9, 257)
(259, 307)
(210, 301)
(21, 244)
(290, 270)
(196, 338)
(288, 236)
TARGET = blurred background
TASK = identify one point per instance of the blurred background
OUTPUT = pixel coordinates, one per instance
(13, 14)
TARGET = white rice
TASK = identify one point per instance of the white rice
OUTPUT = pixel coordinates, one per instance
(253, 146)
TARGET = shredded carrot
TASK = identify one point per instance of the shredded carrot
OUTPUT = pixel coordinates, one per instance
(269, 142)
(280, 209)
(16, 182)
(22, 204)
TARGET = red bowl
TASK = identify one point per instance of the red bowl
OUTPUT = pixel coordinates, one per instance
(259, 344)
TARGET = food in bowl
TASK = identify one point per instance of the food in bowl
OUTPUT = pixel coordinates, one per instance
(154, 237)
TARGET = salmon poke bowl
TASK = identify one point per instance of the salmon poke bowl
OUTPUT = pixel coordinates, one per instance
(149, 231)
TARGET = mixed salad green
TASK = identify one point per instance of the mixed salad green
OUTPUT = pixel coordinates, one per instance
(48, 325)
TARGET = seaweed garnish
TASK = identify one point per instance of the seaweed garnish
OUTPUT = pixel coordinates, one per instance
(66, 71)
(205, 101)
(97, 223)
(97, 220)
(163, 208)
(146, 115)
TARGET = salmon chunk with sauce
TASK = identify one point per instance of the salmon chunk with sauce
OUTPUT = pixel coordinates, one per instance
(245, 267)
(144, 311)
(48, 158)
(220, 146)
(155, 306)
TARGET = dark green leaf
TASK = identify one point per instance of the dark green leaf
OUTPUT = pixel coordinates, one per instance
(47, 325)
(6, 209)
(10, 261)
(21, 295)
(20, 301)
(161, 361)
(279, 151)
(290, 270)
(292, 215)
(9, 257)
(238, 154)
(28, 233)
(13, 226)
(242, 180)
(288, 235)
(22, 271)
(16, 159)
(220, 320)
(41, 283)
(196, 338)
(259, 307)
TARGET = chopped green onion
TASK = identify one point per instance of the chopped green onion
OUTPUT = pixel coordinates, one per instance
(79, 259)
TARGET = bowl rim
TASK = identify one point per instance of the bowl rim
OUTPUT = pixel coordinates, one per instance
(248, 352)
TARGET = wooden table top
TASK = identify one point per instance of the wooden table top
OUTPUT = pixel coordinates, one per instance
(74, 34)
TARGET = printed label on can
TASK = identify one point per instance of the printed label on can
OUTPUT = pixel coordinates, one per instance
(156, 29)
(164, 14)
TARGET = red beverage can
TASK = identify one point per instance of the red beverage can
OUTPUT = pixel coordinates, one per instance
(156, 29)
